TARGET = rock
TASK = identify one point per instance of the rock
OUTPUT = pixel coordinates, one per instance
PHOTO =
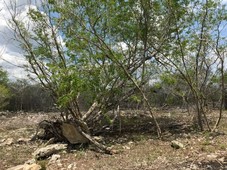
(23, 140)
(176, 144)
(114, 151)
(71, 166)
(212, 156)
(31, 161)
(32, 167)
(98, 138)
(54, 158)
(8, 141)
(130, 143)
(2, 140)
(55, 161)
(18, 167)
(48, 150)
(71, 133)
(59, 164)
(126, 147)
(26, 167)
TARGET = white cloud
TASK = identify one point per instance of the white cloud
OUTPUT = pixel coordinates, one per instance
(224, 2)
(11, 56)
(13, 62)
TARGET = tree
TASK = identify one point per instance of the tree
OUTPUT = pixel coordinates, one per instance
(196, 49)
(27, 96)
(104, 51)
(4, 91)
(107, 49)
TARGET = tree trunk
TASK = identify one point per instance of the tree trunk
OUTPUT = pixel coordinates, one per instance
(225, 100)
(97, 144)
(199, 116)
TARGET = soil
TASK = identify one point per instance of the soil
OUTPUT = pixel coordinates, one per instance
(133, 141)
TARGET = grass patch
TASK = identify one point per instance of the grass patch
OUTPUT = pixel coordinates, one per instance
(43, 164)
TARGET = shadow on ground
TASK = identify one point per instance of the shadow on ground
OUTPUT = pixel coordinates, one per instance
(135, 127)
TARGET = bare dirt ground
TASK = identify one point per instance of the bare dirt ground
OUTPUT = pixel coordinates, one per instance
(136, 146)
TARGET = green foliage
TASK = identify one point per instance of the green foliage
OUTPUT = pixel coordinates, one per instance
(168, 79)
(99, 47)
(3, 77)
(27, 96)
(4, 96)
(97, 36)
(4, 91)
(136, 98)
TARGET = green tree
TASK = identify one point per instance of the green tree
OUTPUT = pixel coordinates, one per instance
(196, 49)
(27, 96)
(4, 91)
(105, 51)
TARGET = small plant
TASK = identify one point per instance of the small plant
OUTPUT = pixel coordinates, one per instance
(43, 164)
(152, 157)
(80, 154)
(223, 146)
(206, 142)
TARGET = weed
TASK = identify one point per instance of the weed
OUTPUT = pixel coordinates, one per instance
(152, 157)
(223, 146)
(206, 142)
(208, 149)
(43, 164)
(80, 154)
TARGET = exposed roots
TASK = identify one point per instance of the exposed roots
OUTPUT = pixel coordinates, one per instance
(47, 130)
(70, 132)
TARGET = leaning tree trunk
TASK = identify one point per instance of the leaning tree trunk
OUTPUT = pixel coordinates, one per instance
(223, 95)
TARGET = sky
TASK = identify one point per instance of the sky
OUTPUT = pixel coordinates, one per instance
(11, 56)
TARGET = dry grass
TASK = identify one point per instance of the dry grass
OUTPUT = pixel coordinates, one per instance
(136, 147)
